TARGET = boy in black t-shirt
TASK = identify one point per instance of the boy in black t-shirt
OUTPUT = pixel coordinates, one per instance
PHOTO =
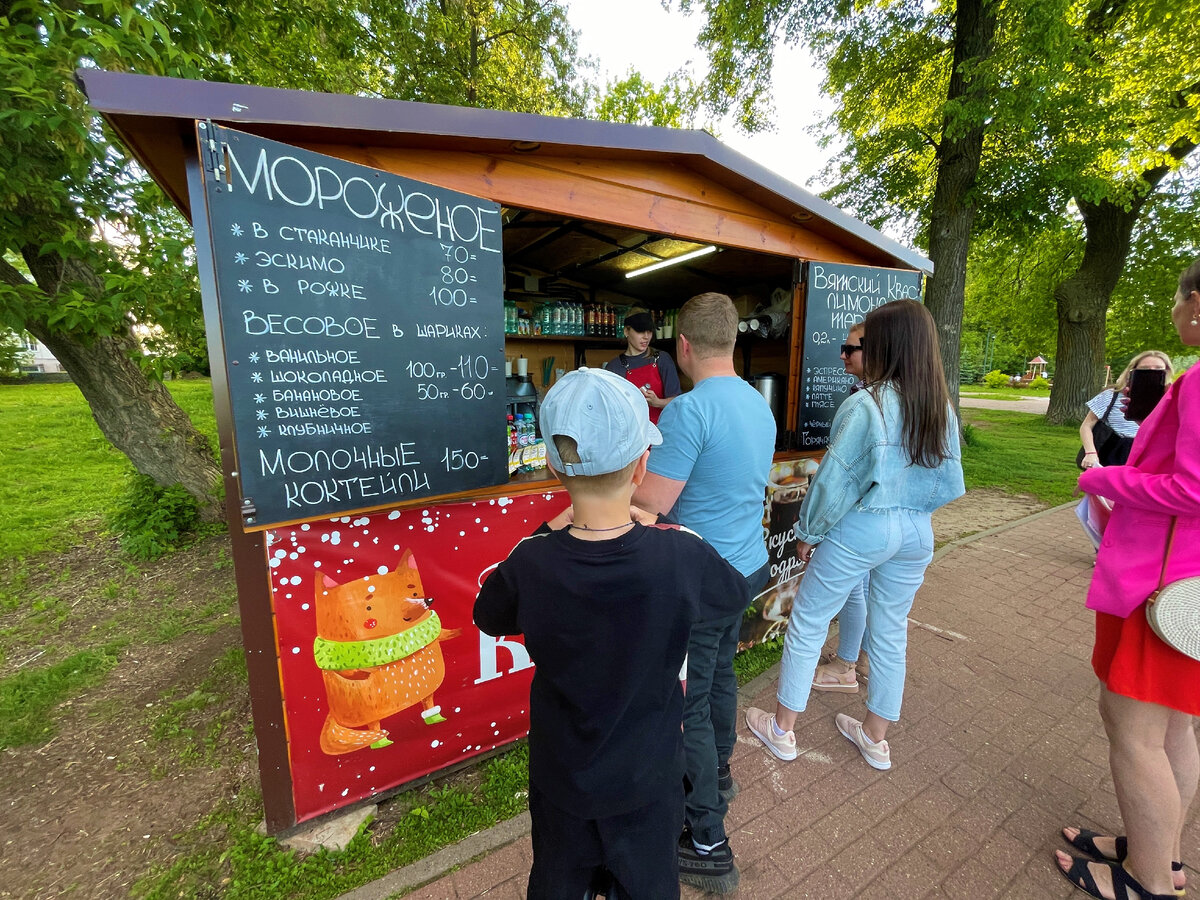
(605, 605)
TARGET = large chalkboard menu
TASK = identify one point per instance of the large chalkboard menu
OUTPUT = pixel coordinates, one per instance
(363, 328)
(838, 296)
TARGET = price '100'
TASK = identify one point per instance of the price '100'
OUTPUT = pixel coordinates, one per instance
(449, 296)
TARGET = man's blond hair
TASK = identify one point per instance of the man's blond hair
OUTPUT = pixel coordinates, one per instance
(592, 485)
(709, 322)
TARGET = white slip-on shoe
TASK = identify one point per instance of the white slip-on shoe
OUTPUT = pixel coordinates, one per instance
(762, 725)
(877, 755)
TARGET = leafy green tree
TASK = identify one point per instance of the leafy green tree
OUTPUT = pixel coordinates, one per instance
(60, 176)
(635, 100)
(93, 259)
(971, 116)
(879, 57)
(13, 354)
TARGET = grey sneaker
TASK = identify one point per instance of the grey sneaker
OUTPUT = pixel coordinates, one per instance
(762, 724)
(714, 872)
(878, 756)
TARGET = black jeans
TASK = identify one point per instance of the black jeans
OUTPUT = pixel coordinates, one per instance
(710, 716)
(638, 848)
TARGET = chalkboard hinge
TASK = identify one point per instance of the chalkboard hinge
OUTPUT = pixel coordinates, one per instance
(249, 511)
(211, 152)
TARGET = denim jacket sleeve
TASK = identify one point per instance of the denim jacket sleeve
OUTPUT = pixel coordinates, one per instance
(844, 475)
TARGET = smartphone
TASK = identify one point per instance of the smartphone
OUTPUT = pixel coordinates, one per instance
(1146, 387)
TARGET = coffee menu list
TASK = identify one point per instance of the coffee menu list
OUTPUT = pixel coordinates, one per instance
(838, 297)
(363, 328)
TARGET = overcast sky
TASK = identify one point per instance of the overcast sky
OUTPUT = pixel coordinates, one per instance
(640, 34)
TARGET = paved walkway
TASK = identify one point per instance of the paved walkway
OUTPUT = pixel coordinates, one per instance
(999, 745)
(1025, 404)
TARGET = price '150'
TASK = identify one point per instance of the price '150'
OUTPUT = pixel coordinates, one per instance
(456, 460)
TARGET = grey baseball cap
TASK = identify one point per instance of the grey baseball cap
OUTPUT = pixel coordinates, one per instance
(605, 414)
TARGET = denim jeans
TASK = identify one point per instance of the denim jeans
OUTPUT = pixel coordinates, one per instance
(894, 547)
(852, 622)
(710, 716)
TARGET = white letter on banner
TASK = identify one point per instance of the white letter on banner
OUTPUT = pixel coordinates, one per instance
(487, 657)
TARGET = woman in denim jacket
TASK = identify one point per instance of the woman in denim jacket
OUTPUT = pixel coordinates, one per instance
(893, 458)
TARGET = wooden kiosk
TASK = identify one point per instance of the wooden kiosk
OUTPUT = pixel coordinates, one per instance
(362, 263)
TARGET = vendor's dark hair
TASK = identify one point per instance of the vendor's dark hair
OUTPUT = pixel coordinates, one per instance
(900, 347)
(1189, 279)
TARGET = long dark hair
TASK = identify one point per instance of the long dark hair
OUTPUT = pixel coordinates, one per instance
(900, 347)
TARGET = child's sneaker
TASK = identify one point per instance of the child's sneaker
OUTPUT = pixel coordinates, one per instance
(726, 786)
(713, 872)
(762, 723)
(877, 755)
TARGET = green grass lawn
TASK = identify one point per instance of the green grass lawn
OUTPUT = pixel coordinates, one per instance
(61, 474)
(1020, 453)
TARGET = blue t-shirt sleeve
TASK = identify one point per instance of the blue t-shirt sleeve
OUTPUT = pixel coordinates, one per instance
(683, 430)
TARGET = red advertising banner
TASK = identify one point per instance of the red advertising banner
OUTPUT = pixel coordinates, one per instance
(385, 678)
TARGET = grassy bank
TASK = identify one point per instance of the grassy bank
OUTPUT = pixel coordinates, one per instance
(1020, 453)
(62, 476)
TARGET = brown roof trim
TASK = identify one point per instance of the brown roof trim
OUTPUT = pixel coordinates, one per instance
(141, 108)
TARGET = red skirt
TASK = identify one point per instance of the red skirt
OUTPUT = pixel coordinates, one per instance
(1133, 661)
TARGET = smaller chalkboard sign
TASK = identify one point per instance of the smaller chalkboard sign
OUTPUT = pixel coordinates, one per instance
(362, 327)
(838, 296)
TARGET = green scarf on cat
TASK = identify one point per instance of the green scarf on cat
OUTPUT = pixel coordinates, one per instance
(341, 655)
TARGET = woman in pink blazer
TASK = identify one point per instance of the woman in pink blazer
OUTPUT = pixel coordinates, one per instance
(1150, 691)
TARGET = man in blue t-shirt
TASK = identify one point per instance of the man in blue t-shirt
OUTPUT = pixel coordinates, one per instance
(710, 475)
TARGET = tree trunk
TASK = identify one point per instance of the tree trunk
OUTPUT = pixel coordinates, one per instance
(952, 212)
(139, 416)
(1082, 302)
(1082, 299)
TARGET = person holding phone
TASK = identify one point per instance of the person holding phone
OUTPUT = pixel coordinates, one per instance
(1106, 407)
(1150, 692)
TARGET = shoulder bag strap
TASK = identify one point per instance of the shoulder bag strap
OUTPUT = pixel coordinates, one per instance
(1162, 576)
(1111, 404)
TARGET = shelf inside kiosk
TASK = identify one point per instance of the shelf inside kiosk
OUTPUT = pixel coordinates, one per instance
(569, 283)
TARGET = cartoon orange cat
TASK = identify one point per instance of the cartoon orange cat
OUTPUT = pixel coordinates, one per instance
(377, 648)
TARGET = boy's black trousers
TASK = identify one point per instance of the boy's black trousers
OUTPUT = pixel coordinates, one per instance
(638, 848)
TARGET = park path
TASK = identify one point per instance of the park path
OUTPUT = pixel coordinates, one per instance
(1025, 404)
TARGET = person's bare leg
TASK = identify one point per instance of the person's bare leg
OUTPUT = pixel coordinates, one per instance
(1147, 794)
(1185, 766)
(785, 718)
(875, 727)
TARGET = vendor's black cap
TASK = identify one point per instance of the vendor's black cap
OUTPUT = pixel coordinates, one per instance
(641, 321)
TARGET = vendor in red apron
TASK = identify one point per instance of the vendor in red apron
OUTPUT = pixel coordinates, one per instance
(651, 371)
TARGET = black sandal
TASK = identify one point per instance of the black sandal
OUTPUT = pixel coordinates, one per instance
(1085, 841)
(1125, 886)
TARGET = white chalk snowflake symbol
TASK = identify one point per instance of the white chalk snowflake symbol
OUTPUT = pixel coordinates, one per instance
(253, 357)
(244, 286)
(256, 377)
(235, 229)
(261, 413)
(260, 398)
(263, 432)
(240, 258)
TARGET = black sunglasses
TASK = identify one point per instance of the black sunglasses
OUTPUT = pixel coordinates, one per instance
(850, 349)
